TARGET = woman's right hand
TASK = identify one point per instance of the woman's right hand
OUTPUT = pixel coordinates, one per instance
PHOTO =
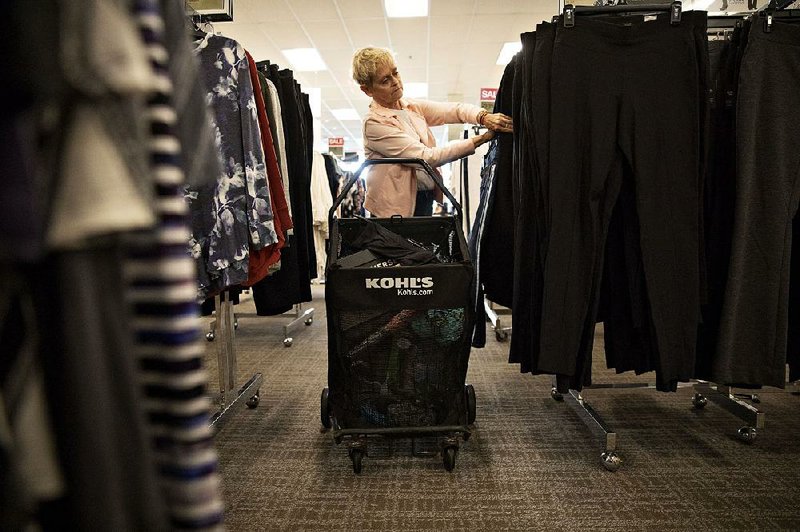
(483, 138)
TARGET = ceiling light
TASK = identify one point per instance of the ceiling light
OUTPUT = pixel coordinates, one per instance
(415, 90)
(345, 114)
(508, 51)
(305, 59)
(405, 8)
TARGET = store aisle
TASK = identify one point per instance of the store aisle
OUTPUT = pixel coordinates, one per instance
(530, 464)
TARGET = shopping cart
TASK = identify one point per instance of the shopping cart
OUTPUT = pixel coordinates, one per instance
(398, 335)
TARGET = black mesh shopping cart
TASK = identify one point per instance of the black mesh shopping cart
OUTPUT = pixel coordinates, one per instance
(398, 293)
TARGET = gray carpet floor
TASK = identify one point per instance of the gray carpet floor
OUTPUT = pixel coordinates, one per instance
(531, 463)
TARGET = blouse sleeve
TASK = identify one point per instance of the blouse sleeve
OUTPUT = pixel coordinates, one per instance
(438, 113)
(391, 141)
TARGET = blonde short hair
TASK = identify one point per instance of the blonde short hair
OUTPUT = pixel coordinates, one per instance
(366, 62)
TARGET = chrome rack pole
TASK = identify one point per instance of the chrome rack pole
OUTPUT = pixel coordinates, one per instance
(229, 396)
(724, 397)
(609, 457)
(500, 332)
(300, 317)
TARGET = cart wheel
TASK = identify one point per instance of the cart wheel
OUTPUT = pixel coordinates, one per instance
(325, 409)
(501, 336)
(253, 401)
(235, 322)
(611, 460)
(755, 398)
(356, 455)
(747, 434)
(309, 321)
(469, 392)
(210, 336)
(556, 395)
(449, 457)
(699, 401)
(287, 342)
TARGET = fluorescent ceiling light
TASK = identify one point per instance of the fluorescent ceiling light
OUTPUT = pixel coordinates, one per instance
(305, 59)
(415, 90)
(345, 114)
(508, 51)
(405, 8)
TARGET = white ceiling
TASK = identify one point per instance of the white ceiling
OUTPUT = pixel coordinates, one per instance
(453, 49)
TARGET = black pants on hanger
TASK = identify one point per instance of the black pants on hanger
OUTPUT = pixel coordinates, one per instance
(522, 344)
(754, 328)
(627, 91)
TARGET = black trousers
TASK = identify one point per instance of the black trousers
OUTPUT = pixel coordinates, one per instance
(627, 96)
(754, 329)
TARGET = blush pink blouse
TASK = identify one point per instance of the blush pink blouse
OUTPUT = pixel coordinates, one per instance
(392, 189)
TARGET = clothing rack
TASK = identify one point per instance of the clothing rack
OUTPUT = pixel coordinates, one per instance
(229, 395)
(737, 404)
(723, 396)
(301, 316)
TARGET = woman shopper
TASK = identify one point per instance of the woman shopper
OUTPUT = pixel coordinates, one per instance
(400, 127)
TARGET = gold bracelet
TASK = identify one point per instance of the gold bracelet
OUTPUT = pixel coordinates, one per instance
(481, 116)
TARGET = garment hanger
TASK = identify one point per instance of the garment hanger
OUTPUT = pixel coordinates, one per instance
(778, 9)
(620, 8)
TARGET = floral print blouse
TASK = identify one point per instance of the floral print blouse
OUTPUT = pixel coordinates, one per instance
(233, 215)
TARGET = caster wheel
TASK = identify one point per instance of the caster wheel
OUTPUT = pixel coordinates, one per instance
(210, 336)
(755, 399)
(356, 455)
(253, 401)
(337, 440)
(235, 323)
(611, 460)
(309, 321)
(449, 457)
(469, 393)
(466, 436)
(747, 434)
(325, 409)
(699, 401)
(501, 336)
(287, 342)
(556, 395)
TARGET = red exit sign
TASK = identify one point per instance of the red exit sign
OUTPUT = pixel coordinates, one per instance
(488, 95)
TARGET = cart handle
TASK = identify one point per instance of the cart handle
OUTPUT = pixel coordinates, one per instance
(394, 160)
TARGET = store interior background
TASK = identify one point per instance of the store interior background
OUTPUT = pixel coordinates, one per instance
(458, 48)
(531, 463)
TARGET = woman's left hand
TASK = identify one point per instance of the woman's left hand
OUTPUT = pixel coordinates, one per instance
(498, 122)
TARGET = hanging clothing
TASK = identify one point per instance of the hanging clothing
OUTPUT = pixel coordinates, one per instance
(236, 212)
(291, 285)
(755, 316)
(162, 287)
(321, 202)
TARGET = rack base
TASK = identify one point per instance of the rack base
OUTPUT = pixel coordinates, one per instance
(500, 333)
(724, 397)
(229, 401)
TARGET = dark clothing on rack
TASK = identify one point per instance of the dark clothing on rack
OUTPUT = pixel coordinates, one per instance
(291, 284)
(526, 252)
(642, 109)
(719, 193)
(755, 318)
(494, 218)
